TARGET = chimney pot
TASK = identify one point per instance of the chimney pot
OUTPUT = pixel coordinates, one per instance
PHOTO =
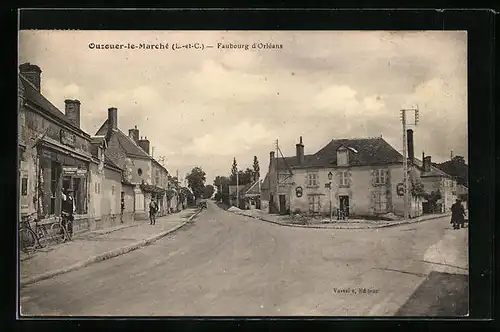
(32, 73)
(72, 111)
(409, 138)
(300, 152)
(427, 163)
(113, 117)
(145, 145)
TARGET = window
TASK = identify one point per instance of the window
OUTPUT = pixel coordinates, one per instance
(139, 171)
(312, 180)
(342, 158)
(112, 189)
(380, 202)
(380, 176)
(24, 186)
(157, 177)
(344, 179)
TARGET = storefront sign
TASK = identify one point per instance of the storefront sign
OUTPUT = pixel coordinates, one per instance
(68, 138)
(400, 189)
(73, 171)
(69, 170)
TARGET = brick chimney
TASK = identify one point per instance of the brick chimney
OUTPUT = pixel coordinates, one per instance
(409, 140)
(72, 111)
(427, 163)
(144, 144)
(112, 118)
(134, 134)
(271, 159)
(32, 73)
(300, 152)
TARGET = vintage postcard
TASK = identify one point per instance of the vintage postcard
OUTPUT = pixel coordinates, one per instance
(243, 173)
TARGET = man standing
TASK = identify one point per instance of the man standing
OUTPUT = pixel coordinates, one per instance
(68, 209)
(122, 208)
(457, 214)
(153, 208)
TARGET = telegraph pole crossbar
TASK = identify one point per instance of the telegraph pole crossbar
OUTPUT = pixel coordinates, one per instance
(406, 170)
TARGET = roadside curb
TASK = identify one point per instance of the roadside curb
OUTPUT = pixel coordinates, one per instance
(399, 223)
(103, 232)
(107, 255)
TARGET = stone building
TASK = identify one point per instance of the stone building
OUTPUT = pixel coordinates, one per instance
(132, 153)
(366, 174)
(54, 152)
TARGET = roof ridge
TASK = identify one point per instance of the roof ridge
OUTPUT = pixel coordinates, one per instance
(28, 81)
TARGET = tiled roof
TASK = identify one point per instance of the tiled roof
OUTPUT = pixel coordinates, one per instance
(108, 161)
(127, 144)
(37, 98)
(362, 152)
(433, 172)
(265, 183)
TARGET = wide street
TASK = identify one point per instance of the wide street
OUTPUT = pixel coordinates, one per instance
(226, 264)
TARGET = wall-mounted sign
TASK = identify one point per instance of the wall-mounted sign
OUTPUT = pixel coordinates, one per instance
(299, 191)
(73, 171)
(68, 138)
(400, 189)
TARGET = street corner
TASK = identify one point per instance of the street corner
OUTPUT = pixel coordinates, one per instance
(440, 294)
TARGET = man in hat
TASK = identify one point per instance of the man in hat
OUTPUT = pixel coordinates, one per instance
(457, 215)
(68, 209)
(153, 208)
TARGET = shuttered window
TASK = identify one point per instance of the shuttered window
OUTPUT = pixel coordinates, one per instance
(380, 202)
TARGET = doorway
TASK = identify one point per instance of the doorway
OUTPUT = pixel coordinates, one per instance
(314, 204)
(282, 204)
(344, 204)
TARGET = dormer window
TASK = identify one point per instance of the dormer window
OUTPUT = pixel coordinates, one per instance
(342, 157)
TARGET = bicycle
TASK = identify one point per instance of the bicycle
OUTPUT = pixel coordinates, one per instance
(32, 239)
(62, 230)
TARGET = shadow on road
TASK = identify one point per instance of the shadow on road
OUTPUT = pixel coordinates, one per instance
(441, 294)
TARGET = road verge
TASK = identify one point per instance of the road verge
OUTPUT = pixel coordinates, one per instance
(107, 255)
(332, 226)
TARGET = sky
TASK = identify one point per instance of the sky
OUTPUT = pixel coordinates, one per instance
(205, 107)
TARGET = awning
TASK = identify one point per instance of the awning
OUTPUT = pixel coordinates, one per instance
(152, 189)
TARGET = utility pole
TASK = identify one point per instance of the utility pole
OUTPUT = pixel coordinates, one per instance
(177, 189)
(237, 188)
(277, 177)
(405, 159)
(405, 164)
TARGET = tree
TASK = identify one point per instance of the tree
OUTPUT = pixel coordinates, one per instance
(196, 181)
(234, 171)
(208, 191)
(185, 193)
(246, 177)
(256, 168)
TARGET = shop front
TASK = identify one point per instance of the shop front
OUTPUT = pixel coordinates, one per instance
(60, 169)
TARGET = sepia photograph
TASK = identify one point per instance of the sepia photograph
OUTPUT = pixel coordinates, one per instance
(243, 173)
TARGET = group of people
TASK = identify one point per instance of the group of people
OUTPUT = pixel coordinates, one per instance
(457, 215)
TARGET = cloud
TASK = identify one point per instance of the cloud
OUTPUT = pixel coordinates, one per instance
(202, 108)
(232, 141)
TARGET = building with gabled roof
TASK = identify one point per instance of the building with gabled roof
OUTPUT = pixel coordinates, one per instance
(132, 153)
(55, 153)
